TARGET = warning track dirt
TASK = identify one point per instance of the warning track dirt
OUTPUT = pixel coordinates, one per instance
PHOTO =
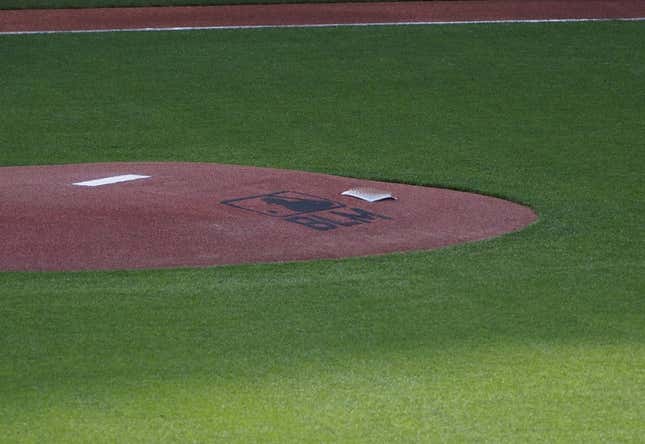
(310, 14)
(157, 215)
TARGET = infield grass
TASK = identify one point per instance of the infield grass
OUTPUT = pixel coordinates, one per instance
(534, 336)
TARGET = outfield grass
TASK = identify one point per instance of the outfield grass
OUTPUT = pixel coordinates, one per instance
(534, 336)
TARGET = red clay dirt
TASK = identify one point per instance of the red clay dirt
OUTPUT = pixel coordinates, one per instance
(198, 214)
(315, 14)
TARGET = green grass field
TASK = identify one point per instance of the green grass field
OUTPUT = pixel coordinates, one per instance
(537, 336)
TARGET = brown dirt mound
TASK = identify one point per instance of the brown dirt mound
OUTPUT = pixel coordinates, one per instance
(196, 214)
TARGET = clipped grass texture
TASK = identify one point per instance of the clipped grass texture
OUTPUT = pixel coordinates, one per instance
(534, 336)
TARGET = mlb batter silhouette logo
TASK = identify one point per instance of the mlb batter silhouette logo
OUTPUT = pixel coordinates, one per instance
(284, 204)
(305, 210)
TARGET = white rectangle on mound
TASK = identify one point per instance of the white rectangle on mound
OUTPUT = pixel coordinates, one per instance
(110, 180)
(368, 194)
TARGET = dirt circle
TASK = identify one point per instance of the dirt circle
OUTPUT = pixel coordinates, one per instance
(197, 214)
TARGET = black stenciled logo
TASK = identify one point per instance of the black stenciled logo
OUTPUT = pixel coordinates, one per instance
(283, 203)
(310, 211)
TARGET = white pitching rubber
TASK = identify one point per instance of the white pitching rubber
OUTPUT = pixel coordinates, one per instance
(110, 180)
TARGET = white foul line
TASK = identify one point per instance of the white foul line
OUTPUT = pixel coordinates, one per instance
(110, 180)
(326, 25)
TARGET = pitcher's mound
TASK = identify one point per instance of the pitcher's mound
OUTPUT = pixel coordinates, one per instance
(152, 215)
